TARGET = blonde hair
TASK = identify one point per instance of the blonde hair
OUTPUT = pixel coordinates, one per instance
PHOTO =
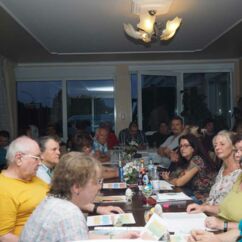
(73, 168)
(228, 135)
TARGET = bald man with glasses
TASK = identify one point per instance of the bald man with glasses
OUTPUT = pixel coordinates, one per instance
(20, 190)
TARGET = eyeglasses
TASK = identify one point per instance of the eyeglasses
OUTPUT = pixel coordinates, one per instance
(36, 158)
(100, 181)
(184, 146)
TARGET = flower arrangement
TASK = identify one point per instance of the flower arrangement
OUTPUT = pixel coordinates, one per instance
(130, 150)
(131, 172)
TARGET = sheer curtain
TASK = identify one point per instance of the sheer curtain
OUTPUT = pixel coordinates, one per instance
(8, 101)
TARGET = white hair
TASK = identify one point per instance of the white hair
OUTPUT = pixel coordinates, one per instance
(22, 144)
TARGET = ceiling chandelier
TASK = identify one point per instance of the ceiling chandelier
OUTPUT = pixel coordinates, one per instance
(148, 29)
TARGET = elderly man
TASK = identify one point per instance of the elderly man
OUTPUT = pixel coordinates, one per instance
(168, 149)
(20, 190)
(100, 147)
(50, 154)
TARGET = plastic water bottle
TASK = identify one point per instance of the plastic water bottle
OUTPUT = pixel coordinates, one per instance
(120, 171)
(151, 169)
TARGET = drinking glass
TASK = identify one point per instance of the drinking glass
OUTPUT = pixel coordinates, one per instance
(147, 192)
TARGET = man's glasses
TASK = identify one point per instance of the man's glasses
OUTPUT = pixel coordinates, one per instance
(36, 158)
(100, 181)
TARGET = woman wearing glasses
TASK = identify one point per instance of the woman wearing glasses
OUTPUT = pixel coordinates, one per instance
(76, 182)
(194, 172)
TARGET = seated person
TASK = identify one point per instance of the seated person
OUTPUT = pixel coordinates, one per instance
(83, 143)
(112, 139)
(20, 190)
(76, 182)
(195, 171)
(100, 147)
(160, 136)
(229, 210)
(4, 141)
(133, 134)
(168, 149)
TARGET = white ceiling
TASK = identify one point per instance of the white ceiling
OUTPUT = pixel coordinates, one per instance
(59, 30)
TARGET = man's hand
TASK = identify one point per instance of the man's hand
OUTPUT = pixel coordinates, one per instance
(195, 208)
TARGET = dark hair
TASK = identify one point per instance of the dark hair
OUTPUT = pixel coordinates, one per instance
(81, 140)
(133, 124)
(236, 138)
(4, 133)
(198, 150)
(178, 118)
(44, 139)
(73, 168)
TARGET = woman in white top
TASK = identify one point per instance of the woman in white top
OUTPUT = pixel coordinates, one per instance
(230, 170)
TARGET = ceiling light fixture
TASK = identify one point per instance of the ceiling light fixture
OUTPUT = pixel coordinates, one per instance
(148, 29)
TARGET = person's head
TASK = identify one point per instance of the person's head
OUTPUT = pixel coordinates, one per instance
(23, 155)
(188, 146)
(133, 128)
(50, 150)
(102, 135)
(209, 125)
(83, 143)
(77, 177)
(51, 130)
(177, 125)
(4, 138)
(237, 142)
(223, 145)
(163, 128)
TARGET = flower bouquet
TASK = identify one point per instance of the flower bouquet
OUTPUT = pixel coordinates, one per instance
(131, 172)
(130, 150)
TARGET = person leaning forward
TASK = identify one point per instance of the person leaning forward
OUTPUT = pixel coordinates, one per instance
(20, 190)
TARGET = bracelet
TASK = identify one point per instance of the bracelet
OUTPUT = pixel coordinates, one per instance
(225, 226)
(95, 208)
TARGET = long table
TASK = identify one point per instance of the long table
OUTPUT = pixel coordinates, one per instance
(136, 206)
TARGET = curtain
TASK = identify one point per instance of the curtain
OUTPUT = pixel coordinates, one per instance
(8, 101)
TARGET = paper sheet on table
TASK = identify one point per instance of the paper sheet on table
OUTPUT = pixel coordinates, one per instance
(115, 230)
(172, 196)
(110, 199)
(115, 185)
(164, 185)
(182, 222)
(99, 220)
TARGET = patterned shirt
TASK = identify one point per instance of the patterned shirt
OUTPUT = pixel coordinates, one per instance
(100, 147)
(126, 138)
(222, 186)
(55, 220)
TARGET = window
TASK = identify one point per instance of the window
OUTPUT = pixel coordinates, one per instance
(39, 104)
(89, 102)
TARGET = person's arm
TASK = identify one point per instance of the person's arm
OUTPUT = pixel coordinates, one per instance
(101, 209)
(195, 208)
(9, 237)
(185, 178)
(217, 223)
(204, 236)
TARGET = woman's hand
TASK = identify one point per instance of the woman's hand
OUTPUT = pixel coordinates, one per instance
(109, 210)
(195, 208)
(214, 223)
(202, 236)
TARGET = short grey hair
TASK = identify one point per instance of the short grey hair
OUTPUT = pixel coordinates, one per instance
(44, 139)
(22, 144)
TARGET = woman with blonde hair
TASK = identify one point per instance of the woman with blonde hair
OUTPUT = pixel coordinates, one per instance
(230, 170)
(76, 181)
